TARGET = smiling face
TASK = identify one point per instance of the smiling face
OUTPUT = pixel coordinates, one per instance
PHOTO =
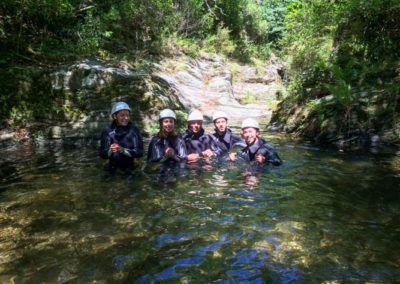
(122, 117)
(221, 124)
(195, 126)
(250, 135)
(168, 125)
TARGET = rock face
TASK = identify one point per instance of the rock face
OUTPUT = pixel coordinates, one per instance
(96, 87)
(82, 93)
(211, 84)
(198, 82)
(368, 122)
(258, 89)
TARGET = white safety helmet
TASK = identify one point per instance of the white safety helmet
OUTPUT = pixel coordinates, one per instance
(195, 115)
(120, 106)
(167, 113)
(250, 122)
(219, 114)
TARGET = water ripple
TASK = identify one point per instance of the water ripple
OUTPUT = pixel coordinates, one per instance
(166, 239)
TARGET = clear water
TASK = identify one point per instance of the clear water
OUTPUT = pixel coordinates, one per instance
(323, 216)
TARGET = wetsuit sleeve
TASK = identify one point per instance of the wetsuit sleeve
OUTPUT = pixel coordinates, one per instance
(154, 153)
(185, 139)
(208, 143)
(271, 156)
(105, 142)
(236, 138)
(181, 151)
(242, 151)
(136, 150)
(214, 146)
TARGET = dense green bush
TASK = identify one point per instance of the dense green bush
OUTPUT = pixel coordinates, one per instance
(39, 33)
(36, 30)
(339, 48)
(344, 49)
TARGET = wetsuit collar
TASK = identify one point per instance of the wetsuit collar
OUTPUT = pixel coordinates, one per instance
(226, 136)
(253, 148)
(119, 130)
(193, 135)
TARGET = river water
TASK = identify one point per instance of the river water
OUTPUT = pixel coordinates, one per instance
(322, 217)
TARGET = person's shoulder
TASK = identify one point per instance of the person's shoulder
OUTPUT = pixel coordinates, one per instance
(214, 135)
(108, 129)
(155, 139)
(133, 127)
(234, 135)
(206, 138)
(208, 135)
(241, 143)
(184, 135)
(266, 145)
(178, 137)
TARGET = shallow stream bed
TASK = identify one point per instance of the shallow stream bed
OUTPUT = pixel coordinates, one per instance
(323, 216)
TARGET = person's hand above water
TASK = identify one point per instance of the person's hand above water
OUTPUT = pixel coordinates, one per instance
(208, 153)
(260, 158)
(193, 157)
(115, 148)
(169, 152)
(232, 157)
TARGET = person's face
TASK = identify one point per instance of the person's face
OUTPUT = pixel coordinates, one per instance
(250, 135)
(122, 117)
(221, 124)
(195, 126)
(168, 125)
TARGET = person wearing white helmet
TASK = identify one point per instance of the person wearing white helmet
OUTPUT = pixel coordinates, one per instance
(253, 147)
(223, 137)
(121, 142)
(198, 143)
(166, 146)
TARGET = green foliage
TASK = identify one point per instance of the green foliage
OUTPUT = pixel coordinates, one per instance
(332, 33)
(175, 42)
(89, 34)
(248, 98)
(342, 88)
(230, 14)
(181, 123)
(308, 33)
(220, 43)
(26, 97)
(349, 50)
(274, 14)
(58, 29)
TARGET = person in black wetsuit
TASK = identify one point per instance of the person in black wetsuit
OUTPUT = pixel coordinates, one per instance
(253, 147)
(166, 146)
(121, 142)
(223, 136)
(198, 144)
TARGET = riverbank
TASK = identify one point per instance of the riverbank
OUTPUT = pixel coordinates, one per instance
(74, 100)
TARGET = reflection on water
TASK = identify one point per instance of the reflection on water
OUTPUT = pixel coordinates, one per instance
(322, 216)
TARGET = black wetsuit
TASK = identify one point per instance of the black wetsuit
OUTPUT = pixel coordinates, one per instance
(248, 153)
(127, 137)
(197, 143)
(224, 142)
(158, 146)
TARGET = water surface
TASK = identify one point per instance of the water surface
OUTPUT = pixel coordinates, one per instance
(322, 216)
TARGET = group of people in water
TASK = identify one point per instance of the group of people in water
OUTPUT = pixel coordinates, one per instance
(121, 142)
